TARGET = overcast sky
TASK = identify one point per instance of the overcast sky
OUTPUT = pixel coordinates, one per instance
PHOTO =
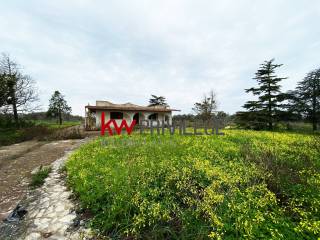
(123, 51)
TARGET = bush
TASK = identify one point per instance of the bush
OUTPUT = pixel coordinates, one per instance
(199, 187)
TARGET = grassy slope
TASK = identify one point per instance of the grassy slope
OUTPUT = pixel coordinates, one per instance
(55, 125)
(13, 135)
(243, 185)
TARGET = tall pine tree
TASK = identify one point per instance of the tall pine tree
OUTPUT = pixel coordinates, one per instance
(307, 100)
(266, 111)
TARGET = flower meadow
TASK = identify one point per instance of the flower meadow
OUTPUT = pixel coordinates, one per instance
(243, 185)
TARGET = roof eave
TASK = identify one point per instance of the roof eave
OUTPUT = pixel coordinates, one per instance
(131, 109)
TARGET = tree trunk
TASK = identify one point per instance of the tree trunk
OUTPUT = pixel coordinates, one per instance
(14, 101)
(15, 111)
(314, 125)
(12, 89)
(314, 108)
(60, 117)
(269, 106)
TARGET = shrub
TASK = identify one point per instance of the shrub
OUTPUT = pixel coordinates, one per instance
(199, 187)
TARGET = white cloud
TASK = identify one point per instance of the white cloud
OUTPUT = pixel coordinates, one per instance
(126, 50)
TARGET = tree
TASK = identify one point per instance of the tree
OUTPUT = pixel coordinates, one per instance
(58, 106)
(307, 97)
(293, 106)
(18, 89)
(267, 110)
(206, 108)
(157, 101)
(3, 90)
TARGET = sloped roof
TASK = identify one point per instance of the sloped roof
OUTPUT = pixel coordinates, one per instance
(106, 105)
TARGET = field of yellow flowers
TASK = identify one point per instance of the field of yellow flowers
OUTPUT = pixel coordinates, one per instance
(243, 185)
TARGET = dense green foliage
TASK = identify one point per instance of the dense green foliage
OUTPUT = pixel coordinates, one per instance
(305, 100)
(58, 106)
(244, 185)
(273, 106)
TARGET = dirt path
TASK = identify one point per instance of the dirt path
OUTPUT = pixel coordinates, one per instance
(16, 164)
(51, 212)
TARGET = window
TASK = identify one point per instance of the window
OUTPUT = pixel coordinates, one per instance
(116, 115)
(153, 116)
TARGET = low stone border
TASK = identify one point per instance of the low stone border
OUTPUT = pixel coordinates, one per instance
(51, 214)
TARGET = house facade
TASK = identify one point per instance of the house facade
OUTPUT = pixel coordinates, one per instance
(127, 111)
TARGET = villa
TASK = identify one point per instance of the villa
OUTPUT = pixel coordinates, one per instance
(127, 111)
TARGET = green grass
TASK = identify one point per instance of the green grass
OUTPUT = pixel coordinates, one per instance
(244, 185)
(38, 178)
(54, 125)
(37, 129)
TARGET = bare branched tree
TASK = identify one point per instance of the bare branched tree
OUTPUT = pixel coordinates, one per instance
(18, 91)
(206, 108)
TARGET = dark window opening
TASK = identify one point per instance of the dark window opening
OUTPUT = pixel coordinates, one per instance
(153, 116)
(136, 117)
(116, 115)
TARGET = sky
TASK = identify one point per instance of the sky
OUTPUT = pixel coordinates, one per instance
(124, 51)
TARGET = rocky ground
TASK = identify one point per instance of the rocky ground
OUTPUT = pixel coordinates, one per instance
(49, 211)
(16, 164)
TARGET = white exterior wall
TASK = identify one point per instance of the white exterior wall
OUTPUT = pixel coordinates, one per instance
(128, 116)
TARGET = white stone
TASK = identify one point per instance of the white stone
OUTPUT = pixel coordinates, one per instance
(59, 208)
(53, 212)
(45, 199)
(68, 218)
(55, 227)
(33, 236)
